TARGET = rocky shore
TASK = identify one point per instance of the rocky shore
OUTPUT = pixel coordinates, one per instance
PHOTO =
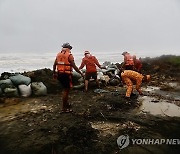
(34, 124)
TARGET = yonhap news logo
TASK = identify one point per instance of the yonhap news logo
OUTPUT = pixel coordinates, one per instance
(123, 141)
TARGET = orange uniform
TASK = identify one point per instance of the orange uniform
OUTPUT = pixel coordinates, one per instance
(62, 62)
(90, 63)
(64, 67)
(128, 76)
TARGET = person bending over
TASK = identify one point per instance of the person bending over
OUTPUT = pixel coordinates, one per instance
(129, 76)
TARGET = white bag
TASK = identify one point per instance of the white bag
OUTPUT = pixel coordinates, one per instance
(25, 91)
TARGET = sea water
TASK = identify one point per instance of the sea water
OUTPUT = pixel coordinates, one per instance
(21, 62)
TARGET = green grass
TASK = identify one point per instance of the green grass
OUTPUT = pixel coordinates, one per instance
(175, 60)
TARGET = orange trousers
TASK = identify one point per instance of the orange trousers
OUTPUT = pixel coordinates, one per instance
(129, 85)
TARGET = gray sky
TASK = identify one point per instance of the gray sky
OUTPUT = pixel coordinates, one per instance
(144, 26)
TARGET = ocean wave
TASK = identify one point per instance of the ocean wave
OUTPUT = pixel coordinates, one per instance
(27, 62)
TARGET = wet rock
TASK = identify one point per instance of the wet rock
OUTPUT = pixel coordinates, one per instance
(98, 91)
(110, 74)
(75, 77)
(106, 64)
(114, 82)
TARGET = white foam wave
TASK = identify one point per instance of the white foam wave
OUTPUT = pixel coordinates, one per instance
(20, 62)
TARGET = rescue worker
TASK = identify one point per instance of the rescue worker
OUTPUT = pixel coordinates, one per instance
(62, 70)
(128, 61)
(91, 72)
(129, 76)
(137, 64)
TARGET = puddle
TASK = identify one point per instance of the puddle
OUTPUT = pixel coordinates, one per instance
(174, 95)
(150, 89)
(156, 90)
(174, 84)
(158, 107)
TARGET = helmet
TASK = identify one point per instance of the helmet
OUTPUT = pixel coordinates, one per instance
(67, 45)
(86, 52)
(125, 52)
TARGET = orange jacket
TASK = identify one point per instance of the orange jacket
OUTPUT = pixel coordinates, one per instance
(90, 63)
(62, 61)
(128, 59)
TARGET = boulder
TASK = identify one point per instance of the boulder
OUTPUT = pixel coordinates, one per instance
(114, 82)
(75, 77)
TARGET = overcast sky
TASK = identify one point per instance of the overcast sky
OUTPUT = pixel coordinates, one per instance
(145, 26)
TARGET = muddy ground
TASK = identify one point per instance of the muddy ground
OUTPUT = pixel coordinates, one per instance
(35, 125)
